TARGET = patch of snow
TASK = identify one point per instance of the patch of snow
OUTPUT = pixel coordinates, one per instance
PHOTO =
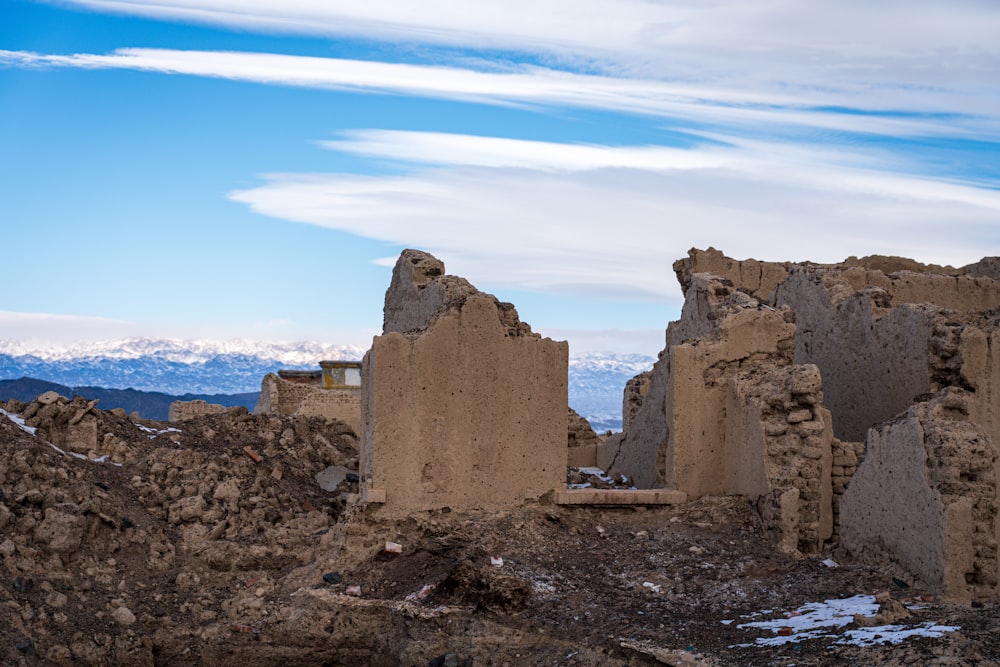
(826, 619)
(82, 457)
(893, 634)
(20, 422)
(156, 431)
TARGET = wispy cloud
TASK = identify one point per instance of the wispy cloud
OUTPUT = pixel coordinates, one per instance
(62, 328)
(605, 223)
(698, 104)
(905, 42)
(473, 150)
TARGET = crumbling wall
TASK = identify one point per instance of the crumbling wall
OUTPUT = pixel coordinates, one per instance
(883, 330)
(581, 441)
(874, 358)
(846, 457)
(463, 406)
(755, 277)
(633, 395)
(926, 497)
(883, 333)
(678, 436)
(184, 410)
(282, 397)
(779, 441)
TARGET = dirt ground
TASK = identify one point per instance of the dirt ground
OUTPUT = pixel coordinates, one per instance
(182, 548)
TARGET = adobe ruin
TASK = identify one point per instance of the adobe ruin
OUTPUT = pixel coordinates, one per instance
(834, 396)
(184, 410)
(334, 392)
(463, 405)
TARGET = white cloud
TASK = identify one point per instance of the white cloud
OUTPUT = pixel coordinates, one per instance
(899, 55)
(697, 103)
(601, 228)
(61, 329)
(911, 41)
(472, 150)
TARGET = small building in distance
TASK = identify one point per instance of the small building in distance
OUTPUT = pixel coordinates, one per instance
(333, 392)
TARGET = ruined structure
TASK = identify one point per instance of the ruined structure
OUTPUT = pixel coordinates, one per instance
(333, 393)
(582, 441)
(70, 424)
(783, 381)
(463, 406)
(184, 410)
(926, 496)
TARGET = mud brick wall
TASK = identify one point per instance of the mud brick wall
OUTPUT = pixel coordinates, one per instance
(676, 438)
(184, 410)
(926, 496)
(635, 391)
(281, 397)
(866, 323)
(777, 416)
(462, 405)
(846, 457)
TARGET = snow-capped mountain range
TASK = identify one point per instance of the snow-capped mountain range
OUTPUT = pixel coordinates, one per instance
(237, 366)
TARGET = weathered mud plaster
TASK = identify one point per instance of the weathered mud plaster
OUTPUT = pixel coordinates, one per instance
(886, 333)
(462, 405)
(926, 497)
(726, 413)
(865, 322)
(780, 452)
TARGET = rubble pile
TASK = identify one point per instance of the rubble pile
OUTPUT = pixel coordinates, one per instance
(97, 542)
(833, 429)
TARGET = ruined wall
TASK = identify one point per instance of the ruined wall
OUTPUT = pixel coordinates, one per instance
(581, 441)
(184, 410)
(846, 457)
(463, 406)
(874, 358)
(926, 497)
(779, 441)
(757, 278)
(678, 437)
(883, 330)
(281, 397)
(633, 395)
(967, 289)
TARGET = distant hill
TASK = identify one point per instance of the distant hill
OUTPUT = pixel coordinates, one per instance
(147, 374)
(149, 404)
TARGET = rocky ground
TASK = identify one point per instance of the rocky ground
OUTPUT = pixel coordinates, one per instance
(210, 542)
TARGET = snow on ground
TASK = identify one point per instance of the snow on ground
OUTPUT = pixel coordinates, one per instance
(20, 422)
(156, 431)
(826, 619)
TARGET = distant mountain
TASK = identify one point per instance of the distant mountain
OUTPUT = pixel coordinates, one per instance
(141, 368)
(149, 404)
(596, 383)
(164, 365)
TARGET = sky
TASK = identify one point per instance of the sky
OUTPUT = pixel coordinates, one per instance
(220, 169)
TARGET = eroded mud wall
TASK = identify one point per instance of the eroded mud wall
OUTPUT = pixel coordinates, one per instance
(463, 406)
(926, 497)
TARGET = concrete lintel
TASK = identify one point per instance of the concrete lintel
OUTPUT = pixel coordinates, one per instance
(620, 497)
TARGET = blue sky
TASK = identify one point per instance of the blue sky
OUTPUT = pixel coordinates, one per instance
(222, 169)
